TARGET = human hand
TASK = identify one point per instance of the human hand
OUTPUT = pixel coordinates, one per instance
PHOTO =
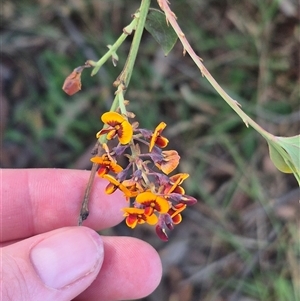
(45, 256)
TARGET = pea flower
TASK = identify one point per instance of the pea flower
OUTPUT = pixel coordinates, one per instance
(154, 197)
(136, 216)
(167, 161)
(157, 139)
(149, 199)
(117, 126)
(106, 165)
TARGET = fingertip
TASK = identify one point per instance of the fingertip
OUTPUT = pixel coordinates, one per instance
(131, 269)
(141, 264)
(66, 255)
(146, 268)
(57, 265)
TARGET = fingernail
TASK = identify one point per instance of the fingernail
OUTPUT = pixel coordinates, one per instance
(67, 256)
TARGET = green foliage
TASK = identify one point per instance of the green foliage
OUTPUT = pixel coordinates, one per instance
(159, 29)
(285, 154)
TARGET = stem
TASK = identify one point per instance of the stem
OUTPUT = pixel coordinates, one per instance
(84, 211)
(122, 107)
(125, 75)
(122, 82)
(113, 48)
(171, 18)
(123, 79)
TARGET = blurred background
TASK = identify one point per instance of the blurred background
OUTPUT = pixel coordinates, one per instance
(240, 242)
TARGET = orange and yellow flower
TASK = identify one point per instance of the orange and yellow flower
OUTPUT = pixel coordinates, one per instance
(106, 164)
(118, 125)
(170, 160)
(157, 139)
(114, 184)
(133, 186)
(149, 199)
(174, 183)
(159, 198)
(175, 211)
(136, 216)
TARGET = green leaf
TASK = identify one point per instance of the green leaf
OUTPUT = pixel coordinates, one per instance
(285, 154)
(278, 159)
(157, 26)
(292, 147)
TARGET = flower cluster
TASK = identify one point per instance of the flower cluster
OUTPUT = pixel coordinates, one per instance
(154, 197)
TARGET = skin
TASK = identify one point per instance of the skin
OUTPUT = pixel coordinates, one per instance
(39, 203)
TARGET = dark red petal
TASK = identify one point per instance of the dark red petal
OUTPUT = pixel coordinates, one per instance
(161, 233)
(161, 141)
(188, 200)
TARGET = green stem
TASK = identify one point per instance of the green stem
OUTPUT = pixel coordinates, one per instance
(125, 75)
(113, 48)
(121, 102)
(123, 79)
(122, 82)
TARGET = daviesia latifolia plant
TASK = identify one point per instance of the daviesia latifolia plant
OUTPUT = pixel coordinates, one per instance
(154, 194)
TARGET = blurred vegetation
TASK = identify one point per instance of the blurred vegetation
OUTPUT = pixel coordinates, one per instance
(241, 241)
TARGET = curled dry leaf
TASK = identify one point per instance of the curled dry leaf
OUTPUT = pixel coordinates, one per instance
(72, 83)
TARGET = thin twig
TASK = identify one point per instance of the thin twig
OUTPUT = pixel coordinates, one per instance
(84, 211)
(187, 48)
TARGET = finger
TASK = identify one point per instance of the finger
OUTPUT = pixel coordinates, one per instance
(60, 264)
(131, 270)
(51, 266)
(39, 200)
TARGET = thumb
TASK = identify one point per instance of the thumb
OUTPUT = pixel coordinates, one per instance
(57, 265)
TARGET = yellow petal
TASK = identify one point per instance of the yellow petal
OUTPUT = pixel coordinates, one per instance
(149, 199)
(125, 132)
(152, 219)
(156, 133)
(112, 118)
